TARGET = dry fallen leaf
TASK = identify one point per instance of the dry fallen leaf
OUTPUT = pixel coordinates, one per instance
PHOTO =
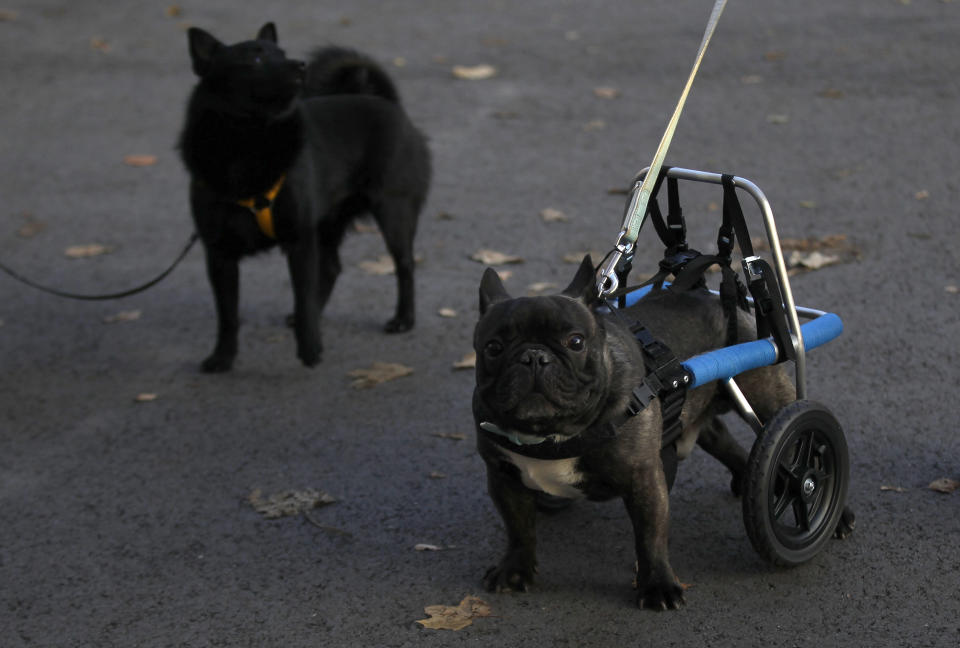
(446, 617)
(399, 62)
(378, 372)
(85, 251)
(895, 489)
(468, 361)
(364, 228)
(551, 215)
(944, 485)
(173, 11)
(751, 79)
(426, 547)
(6, 15)
(453, 436)
(122, 316)
(594, 125)
(952, 289)
(145, 398)
(492, 257)
(447, 312)
(437, 475)
(139, 160)
(504, 274)
(812, 260)
(474, 72)
(923, 194)
(540, 287)
(382, 266)
(99, 44)
(831, 93)
(289, 502)
(808, 204)
(774, 55)
(31, 228)
(606, 92)
(778, 118)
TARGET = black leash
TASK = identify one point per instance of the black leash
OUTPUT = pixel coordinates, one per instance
(117, 295)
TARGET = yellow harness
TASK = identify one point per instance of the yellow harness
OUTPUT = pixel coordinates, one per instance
(262, 207)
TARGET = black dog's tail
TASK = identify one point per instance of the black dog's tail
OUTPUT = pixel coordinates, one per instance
(338, 70)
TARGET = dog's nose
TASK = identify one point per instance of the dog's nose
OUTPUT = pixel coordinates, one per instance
(537, 357)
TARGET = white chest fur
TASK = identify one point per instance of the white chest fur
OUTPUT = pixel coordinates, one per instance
(557, 477)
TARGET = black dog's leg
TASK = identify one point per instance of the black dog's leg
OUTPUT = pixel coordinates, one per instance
(716, 439)
(224, 274)
(302, 260)
(517, 507)
(398, 223)
(329, 266)
(649, 508)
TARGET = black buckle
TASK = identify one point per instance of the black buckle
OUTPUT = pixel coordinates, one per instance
(674, 261)
(641, 396)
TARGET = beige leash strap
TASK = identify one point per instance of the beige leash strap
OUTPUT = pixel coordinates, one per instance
(607, 281)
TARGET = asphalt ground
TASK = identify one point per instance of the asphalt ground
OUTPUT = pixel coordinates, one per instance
(126, 523)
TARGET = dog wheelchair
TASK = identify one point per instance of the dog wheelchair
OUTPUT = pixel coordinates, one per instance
(795, 484)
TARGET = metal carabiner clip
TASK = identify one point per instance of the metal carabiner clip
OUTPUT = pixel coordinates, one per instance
(607, 279)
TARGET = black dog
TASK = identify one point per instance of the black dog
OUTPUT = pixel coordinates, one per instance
(285, 153)
(557, 373)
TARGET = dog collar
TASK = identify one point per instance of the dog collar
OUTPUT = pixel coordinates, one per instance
(518, 438)
(261, 206)
(541, 447)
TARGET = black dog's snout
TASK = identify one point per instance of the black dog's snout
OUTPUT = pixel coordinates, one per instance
(536, 357)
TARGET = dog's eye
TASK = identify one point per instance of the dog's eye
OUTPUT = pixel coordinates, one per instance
(575, 342)
(493, 348)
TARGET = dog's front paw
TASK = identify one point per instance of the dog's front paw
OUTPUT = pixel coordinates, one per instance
(310, 357)
(661, 596)
(511, 575)
(217, 363)
(398, 325)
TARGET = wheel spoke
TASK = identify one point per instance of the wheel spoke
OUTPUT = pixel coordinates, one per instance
(805, 455)
(781, 505)
(802, 514)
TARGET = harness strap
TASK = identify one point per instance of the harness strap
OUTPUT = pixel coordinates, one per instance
(261, 206)
(666, 379)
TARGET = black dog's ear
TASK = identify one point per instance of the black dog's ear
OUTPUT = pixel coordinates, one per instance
(203, 46)
(584, 284)
(268, 33)
(491, 290)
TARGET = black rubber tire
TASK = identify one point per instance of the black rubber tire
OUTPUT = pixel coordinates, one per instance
(802, 445)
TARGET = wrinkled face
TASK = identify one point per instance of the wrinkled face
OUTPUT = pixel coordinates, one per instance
(540, 363)
(254, 76)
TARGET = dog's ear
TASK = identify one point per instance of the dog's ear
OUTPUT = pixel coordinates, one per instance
(268, 33)
(584, 284)
(491, 290)
(203, 46)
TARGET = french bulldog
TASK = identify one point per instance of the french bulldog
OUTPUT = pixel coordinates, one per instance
(555, 374)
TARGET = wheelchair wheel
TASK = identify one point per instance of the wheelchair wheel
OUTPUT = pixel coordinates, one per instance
(795, 485)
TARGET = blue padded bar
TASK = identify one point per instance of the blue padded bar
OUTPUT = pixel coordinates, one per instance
(734, 360)
(731, 361)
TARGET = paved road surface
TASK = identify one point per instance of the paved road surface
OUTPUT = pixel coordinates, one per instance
(128, 524)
